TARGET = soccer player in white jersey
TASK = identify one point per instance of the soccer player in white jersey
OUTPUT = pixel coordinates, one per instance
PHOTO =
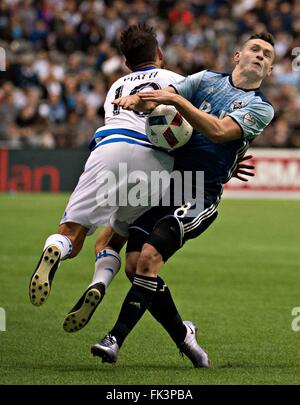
(227, 112)
(110, 242)
(121, 140)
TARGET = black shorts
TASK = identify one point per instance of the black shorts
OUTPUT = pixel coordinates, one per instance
(168, 228)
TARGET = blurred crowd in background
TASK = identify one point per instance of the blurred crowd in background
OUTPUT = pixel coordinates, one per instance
(62, 56)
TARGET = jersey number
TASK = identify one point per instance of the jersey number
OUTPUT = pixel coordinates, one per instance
(135, 90)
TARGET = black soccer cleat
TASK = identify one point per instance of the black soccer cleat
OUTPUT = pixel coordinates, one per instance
(78, 317)
(41, 280)
(107, 349)
(191, 348)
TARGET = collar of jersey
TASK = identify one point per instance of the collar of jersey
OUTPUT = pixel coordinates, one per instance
(142, 69)
(240, 88)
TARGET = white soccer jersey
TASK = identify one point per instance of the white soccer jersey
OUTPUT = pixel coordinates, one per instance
(121, 140)
(150, 78)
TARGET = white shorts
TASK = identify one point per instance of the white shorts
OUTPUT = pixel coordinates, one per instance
(111, 191)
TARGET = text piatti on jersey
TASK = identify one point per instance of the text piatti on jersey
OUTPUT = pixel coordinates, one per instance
(143, 76)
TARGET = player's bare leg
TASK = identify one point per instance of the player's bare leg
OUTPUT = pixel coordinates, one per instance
(107, 265)
(65, 244)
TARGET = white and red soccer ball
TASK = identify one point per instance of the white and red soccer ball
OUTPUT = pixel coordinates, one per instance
(167, 129)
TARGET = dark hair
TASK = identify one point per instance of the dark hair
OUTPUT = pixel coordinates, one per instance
(265, 36)
(138, 44)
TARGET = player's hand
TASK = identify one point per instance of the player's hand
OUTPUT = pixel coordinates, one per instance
(243, 170)
(128, 102)
(158, 96)
(134, 103)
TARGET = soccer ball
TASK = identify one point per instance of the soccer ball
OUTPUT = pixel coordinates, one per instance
(167, 129)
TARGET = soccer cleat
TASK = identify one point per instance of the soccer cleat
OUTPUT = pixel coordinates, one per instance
(191, 349)
(40, 282)
(107, 349)
(83, 310)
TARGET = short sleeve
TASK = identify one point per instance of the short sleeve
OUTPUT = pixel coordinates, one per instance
(253, 118)
(188, 86)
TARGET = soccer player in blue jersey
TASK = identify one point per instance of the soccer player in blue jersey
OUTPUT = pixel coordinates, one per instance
(227, 112)
(122, 139)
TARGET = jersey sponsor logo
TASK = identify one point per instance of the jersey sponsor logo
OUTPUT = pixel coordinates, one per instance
(249, 119)
(207, 107)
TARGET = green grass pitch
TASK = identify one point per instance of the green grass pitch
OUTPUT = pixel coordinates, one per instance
(239, 282)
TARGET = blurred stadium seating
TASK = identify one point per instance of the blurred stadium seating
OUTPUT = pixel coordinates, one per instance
(62, 55)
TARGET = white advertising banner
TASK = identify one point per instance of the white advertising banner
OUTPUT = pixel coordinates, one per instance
(277, 175)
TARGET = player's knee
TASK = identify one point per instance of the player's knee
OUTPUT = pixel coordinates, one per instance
(166, 237)
(150, 261)
(131, 263)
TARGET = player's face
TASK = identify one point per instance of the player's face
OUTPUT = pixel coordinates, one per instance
(256, 58)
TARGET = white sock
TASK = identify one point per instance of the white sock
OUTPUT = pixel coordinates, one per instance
(62, 242)
(108, 263)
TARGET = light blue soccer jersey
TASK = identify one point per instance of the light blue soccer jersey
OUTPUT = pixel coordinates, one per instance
(215, 94)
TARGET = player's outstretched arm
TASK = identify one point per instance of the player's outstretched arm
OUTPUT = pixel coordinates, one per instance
(216, 130)
(139, 103)
(134, 102)
(167, 96)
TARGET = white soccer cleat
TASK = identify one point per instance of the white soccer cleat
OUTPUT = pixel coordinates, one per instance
(107, 349)
(191, 349)
(41, 280)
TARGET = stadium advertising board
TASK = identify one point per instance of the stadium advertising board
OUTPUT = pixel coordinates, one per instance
(277, 172)
(277, 175)
(40, 170)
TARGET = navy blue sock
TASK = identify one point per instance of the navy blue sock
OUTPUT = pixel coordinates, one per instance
(135, 304)
(164, 310)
